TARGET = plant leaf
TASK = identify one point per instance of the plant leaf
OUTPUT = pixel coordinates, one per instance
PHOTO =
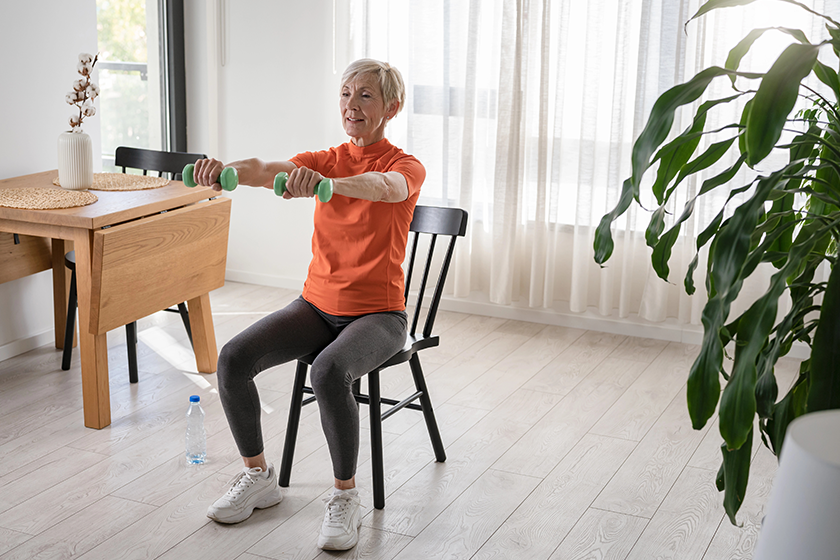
(829, 77)
(662, 252)
(738, 402)
(766, 388)
(824, 392)
(716, 4)
(703, 379)
(708, 158)
(674, 155)
(775, 99)
(740, 50)
(736, 474)
(655, 227)
(834, 32)
(603, 243)
(787, 410)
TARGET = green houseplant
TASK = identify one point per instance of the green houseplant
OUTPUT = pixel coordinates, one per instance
(789, 217)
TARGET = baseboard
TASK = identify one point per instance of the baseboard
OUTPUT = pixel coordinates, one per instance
(669, 330)
(23, 345)
(263, 279)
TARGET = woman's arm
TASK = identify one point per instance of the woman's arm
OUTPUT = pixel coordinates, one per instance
(253, 171)
(373, 185)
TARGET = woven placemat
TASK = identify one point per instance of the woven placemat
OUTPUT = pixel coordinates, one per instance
(123, 182)
(45, 199)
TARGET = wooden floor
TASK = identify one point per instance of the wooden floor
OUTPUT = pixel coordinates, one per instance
(561, 444)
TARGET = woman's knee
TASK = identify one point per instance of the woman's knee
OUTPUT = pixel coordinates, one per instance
(328, 377)
(232, 364)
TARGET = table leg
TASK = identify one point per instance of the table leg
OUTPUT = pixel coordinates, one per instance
(203, 333)
(61, 289)
(94, 347)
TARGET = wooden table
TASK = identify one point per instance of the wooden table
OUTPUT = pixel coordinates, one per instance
(137, 252)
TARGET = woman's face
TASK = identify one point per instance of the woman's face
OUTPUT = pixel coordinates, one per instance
(363, 111)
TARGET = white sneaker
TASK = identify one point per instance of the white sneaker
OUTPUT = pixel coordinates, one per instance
(248, 490)
(340, 530)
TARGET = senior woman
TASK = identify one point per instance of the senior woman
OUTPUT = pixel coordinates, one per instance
(352, 307)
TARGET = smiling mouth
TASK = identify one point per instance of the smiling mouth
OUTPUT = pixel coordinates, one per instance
(355, 120)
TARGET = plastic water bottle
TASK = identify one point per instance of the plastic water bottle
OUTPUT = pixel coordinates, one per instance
(196, 438)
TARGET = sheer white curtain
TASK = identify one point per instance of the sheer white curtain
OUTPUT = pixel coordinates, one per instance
(524, 113)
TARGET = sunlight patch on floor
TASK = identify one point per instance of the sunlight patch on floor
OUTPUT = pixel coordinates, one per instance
(181, 357)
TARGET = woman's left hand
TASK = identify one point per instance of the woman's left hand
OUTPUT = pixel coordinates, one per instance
(302, 182)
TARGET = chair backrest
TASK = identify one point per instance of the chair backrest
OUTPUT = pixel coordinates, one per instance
(433, 221)
(154, 160)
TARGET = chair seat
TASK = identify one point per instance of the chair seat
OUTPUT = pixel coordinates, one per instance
(413, 344)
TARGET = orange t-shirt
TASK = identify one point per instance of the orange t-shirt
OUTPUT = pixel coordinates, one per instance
(358, 246)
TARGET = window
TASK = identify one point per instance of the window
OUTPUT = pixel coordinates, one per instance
(141, 75)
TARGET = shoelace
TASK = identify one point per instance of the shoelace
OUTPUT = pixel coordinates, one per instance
(337, 509)
(241, 482)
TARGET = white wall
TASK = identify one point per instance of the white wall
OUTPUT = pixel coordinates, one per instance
(40, 43)
(275, 95)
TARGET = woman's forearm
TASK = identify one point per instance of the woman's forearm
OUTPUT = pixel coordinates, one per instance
(375, 186)
(258, 173)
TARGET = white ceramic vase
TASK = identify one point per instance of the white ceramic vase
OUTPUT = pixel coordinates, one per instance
(75, 161)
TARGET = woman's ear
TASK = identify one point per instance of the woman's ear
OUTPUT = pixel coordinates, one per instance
(393, 109)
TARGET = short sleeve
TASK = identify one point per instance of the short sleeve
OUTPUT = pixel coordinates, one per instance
(413, 171)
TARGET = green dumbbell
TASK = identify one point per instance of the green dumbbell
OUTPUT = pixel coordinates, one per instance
(229, 177)
(323, 190)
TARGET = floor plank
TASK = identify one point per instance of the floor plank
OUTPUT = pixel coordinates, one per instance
(9, 540)
(84, 531)
(558, 431)
(547, 515)
(686, 521)
(601, 534)
(643, 481)
(463, 527)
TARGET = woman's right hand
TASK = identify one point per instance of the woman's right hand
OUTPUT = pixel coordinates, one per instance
(207, 171)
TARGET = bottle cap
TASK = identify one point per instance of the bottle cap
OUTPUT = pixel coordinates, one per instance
(195, 398)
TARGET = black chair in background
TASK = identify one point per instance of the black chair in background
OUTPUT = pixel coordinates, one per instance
(147, 160)
(432, 221)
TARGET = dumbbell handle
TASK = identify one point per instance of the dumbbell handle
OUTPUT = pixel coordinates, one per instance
(228, 178)
(323, 190)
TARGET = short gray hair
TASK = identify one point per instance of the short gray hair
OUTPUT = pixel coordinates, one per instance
(389, 78)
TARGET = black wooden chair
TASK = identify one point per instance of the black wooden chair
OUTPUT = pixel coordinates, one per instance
(448, 222)
(171, 163)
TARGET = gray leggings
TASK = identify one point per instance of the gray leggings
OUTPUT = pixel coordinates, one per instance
(349, 348)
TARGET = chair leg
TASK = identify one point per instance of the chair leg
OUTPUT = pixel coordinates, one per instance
(292, 426)
(377, 460)
(70, 327)
(185, 318)
(428, 412)
(131, 345)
